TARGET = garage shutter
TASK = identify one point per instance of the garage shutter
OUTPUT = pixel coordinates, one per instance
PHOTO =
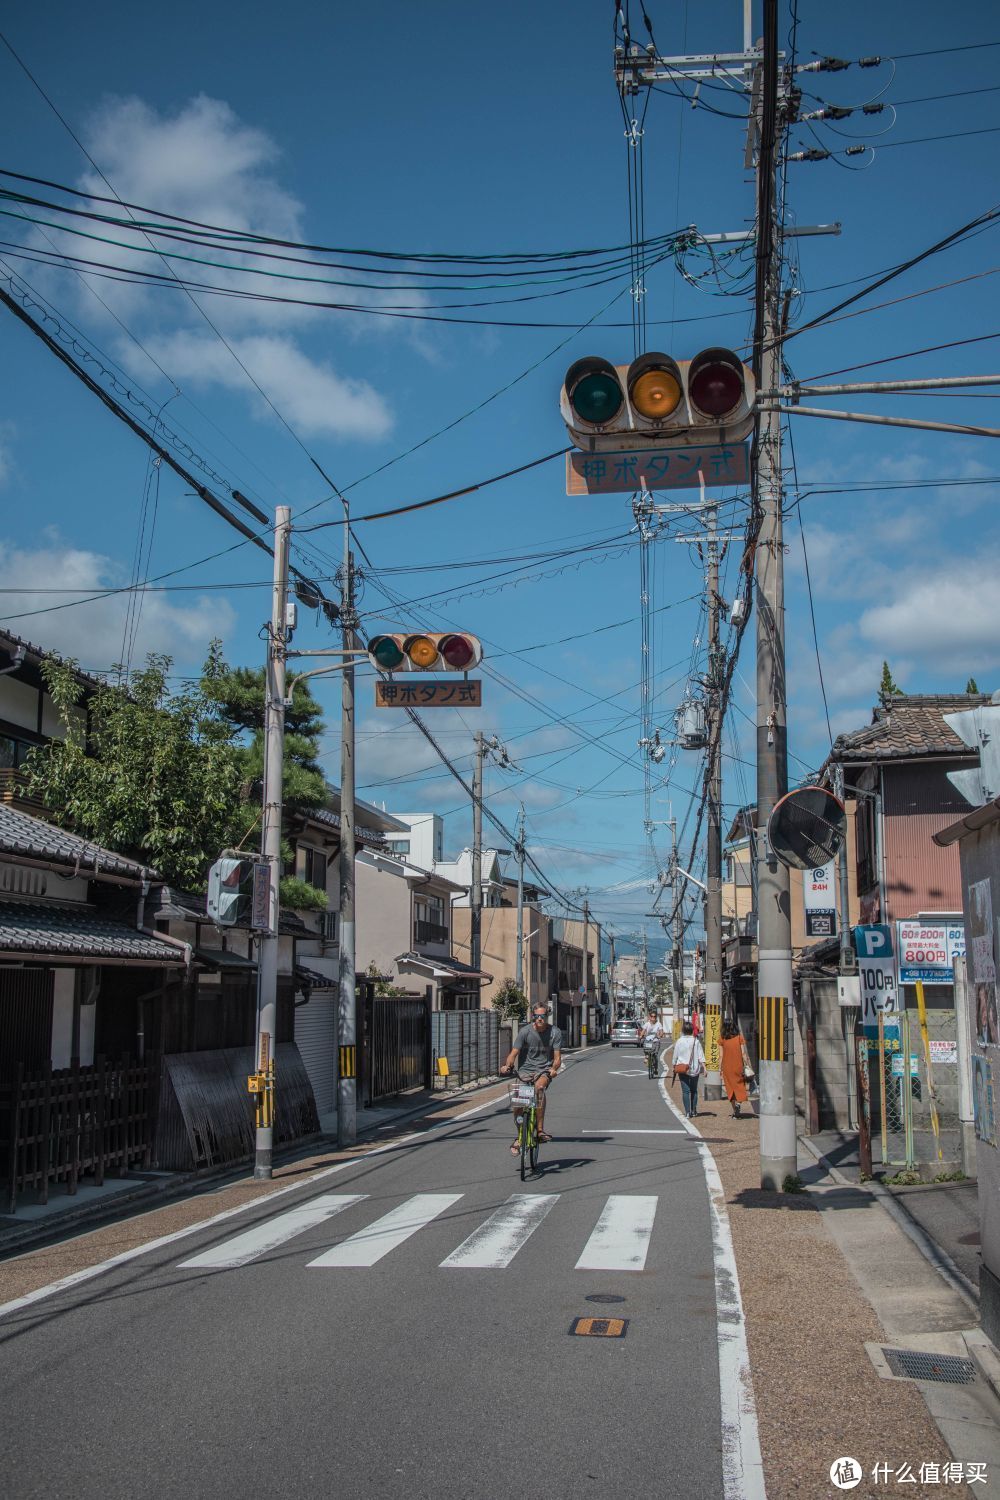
(316, 1038)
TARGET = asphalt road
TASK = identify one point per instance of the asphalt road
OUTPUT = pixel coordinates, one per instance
(377, 1340)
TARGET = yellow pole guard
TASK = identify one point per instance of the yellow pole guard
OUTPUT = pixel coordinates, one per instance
(348, 1062)
(772, 1013)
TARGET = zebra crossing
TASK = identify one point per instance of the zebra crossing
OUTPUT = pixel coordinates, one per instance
(619, 1240)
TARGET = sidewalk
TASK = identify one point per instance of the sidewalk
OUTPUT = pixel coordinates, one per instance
(947, 1212)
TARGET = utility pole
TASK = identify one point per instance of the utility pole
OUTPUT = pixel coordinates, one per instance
(776, 1070)
(347, 1089)
(586, 973)
(519, 851)
(611, 973)
(677, 936)
(713, 780)
(476, 888)
(274, 755)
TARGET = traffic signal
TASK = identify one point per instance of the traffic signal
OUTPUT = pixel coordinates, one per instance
(230, 891)
(658, 400)
(427, 651)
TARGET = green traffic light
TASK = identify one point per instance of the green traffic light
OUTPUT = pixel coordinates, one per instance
(597, 398)
(386, 652)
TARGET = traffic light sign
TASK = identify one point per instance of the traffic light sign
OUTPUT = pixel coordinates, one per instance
(658, 401)
(427, 651)
(230, 891)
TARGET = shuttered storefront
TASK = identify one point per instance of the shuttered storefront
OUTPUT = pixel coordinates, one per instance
(316, 1038)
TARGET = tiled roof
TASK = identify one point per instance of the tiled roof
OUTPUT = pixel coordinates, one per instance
(9, 644)
(20, 833)
(170, 903)
(76, 933)
(331, 819)
(909, 726)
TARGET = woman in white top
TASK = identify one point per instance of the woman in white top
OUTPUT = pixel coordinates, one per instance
(688, 1064)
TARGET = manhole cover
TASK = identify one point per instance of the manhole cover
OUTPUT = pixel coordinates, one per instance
(912, 1364)
(602, 1328)
(604, 1297)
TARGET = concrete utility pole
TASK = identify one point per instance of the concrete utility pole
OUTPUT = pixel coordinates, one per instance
(713, 786)
(519, 851)
(677, 935)
(476, 887)
(776, 1070)
(347, 1084)
(611, 973)
(274, 756)
(585, 1016)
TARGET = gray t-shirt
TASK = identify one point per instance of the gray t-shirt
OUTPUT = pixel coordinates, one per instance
(535, 1048)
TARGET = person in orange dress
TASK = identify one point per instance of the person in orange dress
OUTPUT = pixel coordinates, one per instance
(733, 1065)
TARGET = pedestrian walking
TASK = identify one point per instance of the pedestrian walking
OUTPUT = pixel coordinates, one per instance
(688, 1065)
(735, 1064)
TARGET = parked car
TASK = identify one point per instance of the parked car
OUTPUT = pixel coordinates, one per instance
(624, 1034)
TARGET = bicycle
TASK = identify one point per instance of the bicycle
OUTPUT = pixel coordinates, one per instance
(522, 1095)
(651, 1047)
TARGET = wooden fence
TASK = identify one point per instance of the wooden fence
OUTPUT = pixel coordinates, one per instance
(64, 1123)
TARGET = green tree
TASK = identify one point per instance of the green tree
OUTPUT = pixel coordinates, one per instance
(510, 1003)
(972, 686)
(888, 687)
(158, 776)
(238, 693)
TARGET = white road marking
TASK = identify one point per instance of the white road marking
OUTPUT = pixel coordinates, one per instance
(87, 1273)
(742, 1464)
(272, 1233)
(371, 1244)
(620, 1240)
(495, 1243)
(617, 1130)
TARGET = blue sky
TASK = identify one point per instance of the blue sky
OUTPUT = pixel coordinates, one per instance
(448, 128)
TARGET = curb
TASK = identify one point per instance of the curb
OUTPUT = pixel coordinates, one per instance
(984, 1356)
(929, 1249)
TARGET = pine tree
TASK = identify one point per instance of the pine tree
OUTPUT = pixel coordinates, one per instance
(888, 687)
(972, 686)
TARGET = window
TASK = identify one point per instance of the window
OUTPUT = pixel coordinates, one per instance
(12, 752)
(534, 968)
(430, 922)
(399, 846)
(314, 867)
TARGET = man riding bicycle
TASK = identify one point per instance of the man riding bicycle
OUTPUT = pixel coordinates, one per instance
(537, 1054)
(651, 1035)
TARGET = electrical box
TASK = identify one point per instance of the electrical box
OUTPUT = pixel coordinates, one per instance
(849, 990)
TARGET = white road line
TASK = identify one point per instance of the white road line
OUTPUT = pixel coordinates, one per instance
(616, 1130)
(495, 1243)
(87, 1273)
(272, 1233)
(620, 1239)
(742, 1464)
(369, 1245)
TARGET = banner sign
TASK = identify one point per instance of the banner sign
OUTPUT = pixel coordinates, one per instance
(877, 972)
(427, 694)
(819, 901)
(657, 469)
(927, 951)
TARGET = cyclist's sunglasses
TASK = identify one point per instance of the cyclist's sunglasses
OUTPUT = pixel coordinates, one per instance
(539, 1016)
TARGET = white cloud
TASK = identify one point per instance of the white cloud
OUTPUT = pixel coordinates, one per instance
(92, 633)
(942, 615)
(310, 395)
(200, 161)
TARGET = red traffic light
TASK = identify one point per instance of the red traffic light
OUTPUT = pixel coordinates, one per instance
(715, 384)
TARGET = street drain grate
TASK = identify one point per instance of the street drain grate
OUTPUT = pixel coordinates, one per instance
(604, 1328)
(912, 1364)
(594, 1296)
